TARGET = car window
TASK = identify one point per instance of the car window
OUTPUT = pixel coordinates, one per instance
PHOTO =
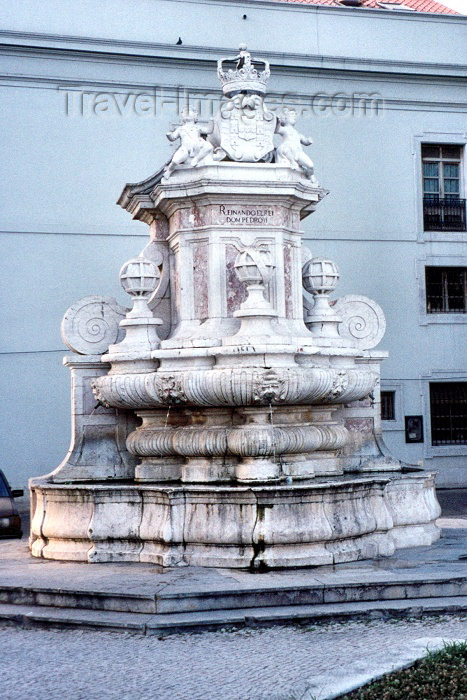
(3, 488)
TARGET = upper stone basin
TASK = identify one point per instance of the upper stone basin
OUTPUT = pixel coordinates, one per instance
(236, 386)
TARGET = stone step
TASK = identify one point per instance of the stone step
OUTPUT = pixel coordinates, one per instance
(78, 599)
(185, 599)
(343, 591)
(46, 616)
(162, 624)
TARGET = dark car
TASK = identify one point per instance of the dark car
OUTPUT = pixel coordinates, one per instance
(10, 521)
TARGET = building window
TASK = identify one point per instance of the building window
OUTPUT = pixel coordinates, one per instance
(443, 206)
(446, 290)
(388, 411)
(448, 408)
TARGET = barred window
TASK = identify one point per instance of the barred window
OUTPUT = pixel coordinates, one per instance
(388, 405)
(448, 408)
(446, 290)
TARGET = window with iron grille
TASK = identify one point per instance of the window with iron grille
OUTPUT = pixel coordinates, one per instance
(388, 405)
(446, 290)
(448, 408)
(443, 206)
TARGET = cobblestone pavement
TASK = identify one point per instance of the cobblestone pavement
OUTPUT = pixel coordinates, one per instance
(263, 664)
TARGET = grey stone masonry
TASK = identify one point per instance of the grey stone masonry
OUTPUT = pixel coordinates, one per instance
(149, 599)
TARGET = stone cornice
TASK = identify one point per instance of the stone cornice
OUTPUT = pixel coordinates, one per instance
(202, 57)
(135, 194)
(142, 199)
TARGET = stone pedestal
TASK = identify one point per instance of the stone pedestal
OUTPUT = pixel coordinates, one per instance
(98, 444)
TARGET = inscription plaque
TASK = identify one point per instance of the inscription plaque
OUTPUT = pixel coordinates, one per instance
(246, 215)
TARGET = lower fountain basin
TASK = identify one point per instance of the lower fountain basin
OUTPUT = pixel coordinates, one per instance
(322, 521)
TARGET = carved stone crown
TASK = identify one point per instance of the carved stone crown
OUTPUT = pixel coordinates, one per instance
(245, 76)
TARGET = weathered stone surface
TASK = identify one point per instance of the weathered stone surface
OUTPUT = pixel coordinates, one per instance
(324, 521)
(363, 320)
(92, 324)
(250, 415)
(98, 434)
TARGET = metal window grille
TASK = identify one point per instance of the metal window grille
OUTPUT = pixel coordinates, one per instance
(388, 405)
(443, 213)
(443, 207)
(446, 290)
(448, 408)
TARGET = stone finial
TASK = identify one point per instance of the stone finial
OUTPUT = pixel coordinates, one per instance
(139, 278)
(255, 267)
(248, 74)
(91, 324)
(363, 320)
(320, 277)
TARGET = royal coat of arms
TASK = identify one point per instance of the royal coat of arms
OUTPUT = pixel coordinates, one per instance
(245, 128)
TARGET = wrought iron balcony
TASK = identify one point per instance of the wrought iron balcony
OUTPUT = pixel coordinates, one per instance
(443, 214)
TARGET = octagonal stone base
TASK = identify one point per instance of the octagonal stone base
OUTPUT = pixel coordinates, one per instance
(305, 524)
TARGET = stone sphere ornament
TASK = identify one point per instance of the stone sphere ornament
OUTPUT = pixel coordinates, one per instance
(139, 277)
(320, 276)
(254, 266)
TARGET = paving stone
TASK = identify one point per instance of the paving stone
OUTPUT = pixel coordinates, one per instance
(280, 663)
(398, 658)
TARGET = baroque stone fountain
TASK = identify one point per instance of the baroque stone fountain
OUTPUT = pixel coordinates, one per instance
(231, 417)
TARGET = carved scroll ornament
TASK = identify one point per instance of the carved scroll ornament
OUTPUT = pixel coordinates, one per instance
(91, 324)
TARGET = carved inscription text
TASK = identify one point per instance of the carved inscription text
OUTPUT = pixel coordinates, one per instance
(245, 215)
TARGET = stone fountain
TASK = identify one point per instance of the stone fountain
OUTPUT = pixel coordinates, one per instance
(230, 418)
